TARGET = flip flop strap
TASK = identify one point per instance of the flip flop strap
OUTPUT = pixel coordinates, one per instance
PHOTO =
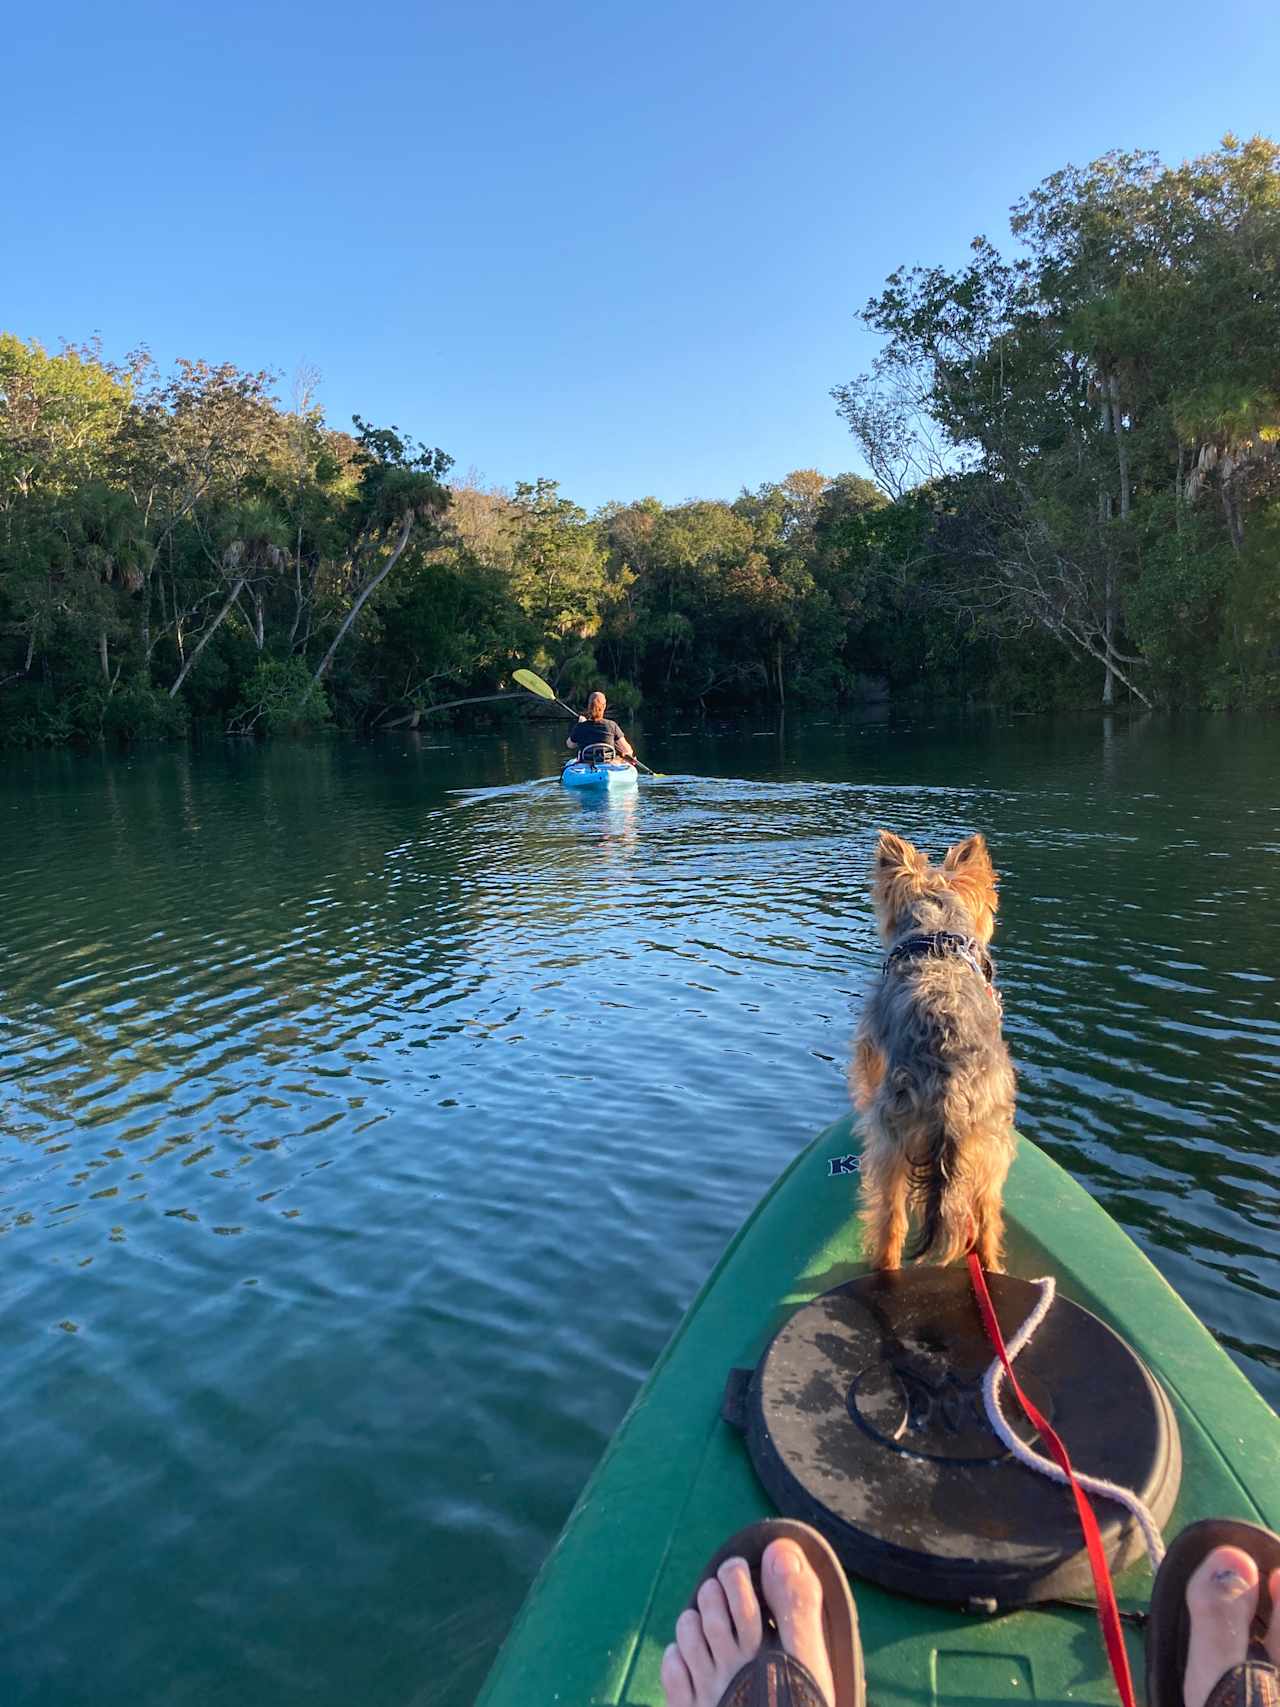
(1256, 1683)
(775, 1678)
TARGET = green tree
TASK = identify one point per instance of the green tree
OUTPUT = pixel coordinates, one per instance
(1130, 352)
(558, 578)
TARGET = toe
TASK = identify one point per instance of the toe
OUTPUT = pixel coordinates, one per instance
(695, 1653)
(794, 1595)
(677, 1685)
(792, 1588)
(717, 1626)
(1273, 1628)
(1222, 1597)
(1223, 1590)
(744, 1608)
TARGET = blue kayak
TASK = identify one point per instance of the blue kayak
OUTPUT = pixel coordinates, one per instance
(610, 774)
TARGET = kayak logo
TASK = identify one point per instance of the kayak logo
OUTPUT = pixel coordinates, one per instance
(949, 1405)
(924, 1412)
(840, 1165)
(919, 1406)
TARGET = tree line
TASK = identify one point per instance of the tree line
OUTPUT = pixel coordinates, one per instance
(1076, 500)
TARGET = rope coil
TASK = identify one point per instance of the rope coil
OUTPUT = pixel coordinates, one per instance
(991, 1384)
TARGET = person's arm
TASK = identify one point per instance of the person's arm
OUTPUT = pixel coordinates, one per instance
(622, 745)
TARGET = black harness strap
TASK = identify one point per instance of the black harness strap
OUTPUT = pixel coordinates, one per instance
(937, 945)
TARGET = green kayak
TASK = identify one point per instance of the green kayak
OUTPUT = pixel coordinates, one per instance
(676, 1480)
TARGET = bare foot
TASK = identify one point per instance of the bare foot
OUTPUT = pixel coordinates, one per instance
(714, 1643)
(1222, 1597)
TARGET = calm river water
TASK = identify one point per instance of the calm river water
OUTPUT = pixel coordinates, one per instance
(362, 1140)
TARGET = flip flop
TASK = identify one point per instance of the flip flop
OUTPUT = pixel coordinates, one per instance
(1254, 1683)
(773, 1676)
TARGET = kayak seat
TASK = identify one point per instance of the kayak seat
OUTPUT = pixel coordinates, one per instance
(598, 753)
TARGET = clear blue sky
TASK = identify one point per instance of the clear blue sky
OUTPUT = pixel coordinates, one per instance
(621, 245)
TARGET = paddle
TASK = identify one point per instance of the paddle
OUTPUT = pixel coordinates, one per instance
(544, 690)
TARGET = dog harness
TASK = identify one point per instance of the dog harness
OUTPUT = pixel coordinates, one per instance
(937, 945)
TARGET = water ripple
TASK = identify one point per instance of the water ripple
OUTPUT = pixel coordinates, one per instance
(369, 1115)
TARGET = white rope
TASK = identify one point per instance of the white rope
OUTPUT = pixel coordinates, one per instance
(1023, 1453)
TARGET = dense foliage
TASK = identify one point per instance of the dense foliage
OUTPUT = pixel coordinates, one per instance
(1094, 427)
(1077, 499)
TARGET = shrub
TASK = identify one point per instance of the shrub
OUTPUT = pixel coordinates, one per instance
(138, 712)
(280, 698)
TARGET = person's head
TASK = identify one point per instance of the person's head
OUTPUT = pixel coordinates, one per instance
(595, 706)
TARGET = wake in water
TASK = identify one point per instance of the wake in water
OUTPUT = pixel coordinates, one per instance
(463, 796)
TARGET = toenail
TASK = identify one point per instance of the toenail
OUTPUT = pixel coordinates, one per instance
(1227, 1578)
(785, 1561)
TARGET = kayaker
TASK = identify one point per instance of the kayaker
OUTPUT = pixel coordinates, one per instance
(595, 729)
(1198, 1635)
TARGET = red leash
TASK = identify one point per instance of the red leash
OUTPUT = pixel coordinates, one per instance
(1108, 1611)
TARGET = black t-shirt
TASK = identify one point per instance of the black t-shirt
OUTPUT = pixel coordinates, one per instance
(594, 731)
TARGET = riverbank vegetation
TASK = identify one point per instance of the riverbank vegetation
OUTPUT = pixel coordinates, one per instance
(1076, 500)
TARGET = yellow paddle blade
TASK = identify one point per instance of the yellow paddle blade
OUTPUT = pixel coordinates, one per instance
(535, 684)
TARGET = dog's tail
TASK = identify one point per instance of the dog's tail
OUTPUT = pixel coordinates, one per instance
(933, 1172)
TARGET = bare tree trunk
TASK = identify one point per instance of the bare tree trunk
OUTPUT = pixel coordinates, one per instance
(782, 692)
(1230, 506)
(1235, 515)
(206, 637)
(17, 675)
(102, 654)
(1074, 637)
(1108, 596)
(1112, 411)
(397, 551)
(1179, 489)
(111, 688)
(1122, 447)
(297, 590)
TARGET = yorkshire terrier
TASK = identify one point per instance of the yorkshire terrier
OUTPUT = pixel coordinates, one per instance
(930, 1071)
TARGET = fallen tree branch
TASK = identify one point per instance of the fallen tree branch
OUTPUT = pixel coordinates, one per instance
(206, 637)
(370, 586)
(448, 705)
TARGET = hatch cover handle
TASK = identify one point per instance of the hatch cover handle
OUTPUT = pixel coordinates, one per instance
(733, 1406)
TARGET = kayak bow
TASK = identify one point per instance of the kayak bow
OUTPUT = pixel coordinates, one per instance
(676, 1479)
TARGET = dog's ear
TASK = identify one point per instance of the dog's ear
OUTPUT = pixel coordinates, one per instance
(895, 856)
(898, 874)
(968, 869)
(971, 856)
